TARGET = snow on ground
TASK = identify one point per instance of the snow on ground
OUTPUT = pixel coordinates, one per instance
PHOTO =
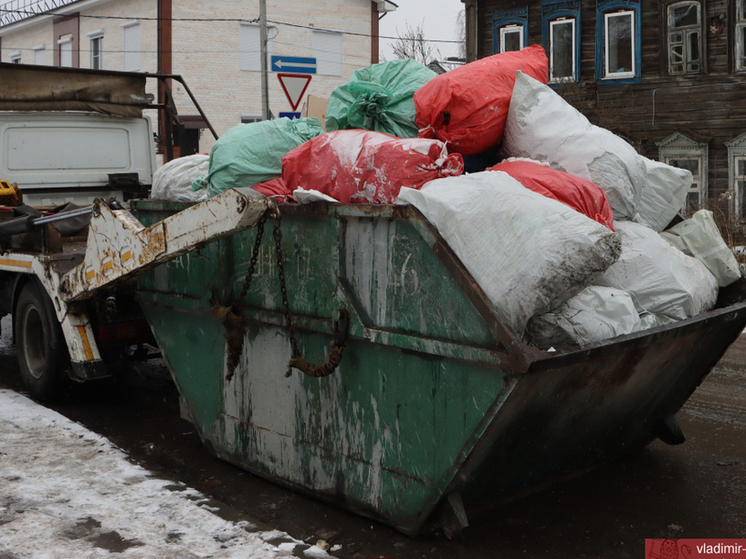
(67, 492)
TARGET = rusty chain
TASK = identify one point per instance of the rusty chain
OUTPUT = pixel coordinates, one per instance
(252, 262)
(340, 326)
(277, 234)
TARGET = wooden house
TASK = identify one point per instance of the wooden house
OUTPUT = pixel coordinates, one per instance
(669, 76)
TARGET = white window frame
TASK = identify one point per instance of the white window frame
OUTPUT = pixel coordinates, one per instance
(131, 46)
(329, 59)
(607, 17)
(96, 37)
(736, 182)
(679, 146)
(562, 21)
(740, 32)
(250, 118)
(15, 57)
(40, 55)
(66, 51)
(686, 33)
(250, 48)
(511, 29)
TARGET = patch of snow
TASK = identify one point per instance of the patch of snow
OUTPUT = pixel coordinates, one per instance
(68, 492)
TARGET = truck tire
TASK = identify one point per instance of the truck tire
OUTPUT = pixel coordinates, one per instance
(39, 342)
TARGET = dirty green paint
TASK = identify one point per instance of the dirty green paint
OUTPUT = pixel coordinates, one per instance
(387, 432)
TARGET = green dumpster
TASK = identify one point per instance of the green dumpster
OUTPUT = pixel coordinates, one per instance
(437, 411)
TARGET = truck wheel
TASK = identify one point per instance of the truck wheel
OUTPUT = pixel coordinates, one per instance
(39, 343)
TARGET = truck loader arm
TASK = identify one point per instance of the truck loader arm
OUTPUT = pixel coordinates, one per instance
(119, 246)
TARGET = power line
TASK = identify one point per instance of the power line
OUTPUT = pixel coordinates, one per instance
(218, 20)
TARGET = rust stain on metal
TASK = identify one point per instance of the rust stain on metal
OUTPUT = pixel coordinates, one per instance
(234, 323)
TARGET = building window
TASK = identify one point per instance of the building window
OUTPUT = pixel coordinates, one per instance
(619, 47)
(250, 47)
(737, 176)
(40, 55)
(131, 46)
(97, 50)
(509, 30)
(65, 45)
(251, 118)
(560, 22)
(15, 58)
(741, 35)
(327, 48)
(562, 50)
(684, 152)
(684, 38)
(618, 40)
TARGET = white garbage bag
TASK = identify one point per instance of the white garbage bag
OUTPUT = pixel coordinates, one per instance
(700, 237)
(527, 252)
(596, 313)
(173, 180)
(543, 126)
(661, 279)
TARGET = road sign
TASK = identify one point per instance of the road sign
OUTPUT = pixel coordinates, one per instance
(294, 64)
(294, 87)
(291, 116)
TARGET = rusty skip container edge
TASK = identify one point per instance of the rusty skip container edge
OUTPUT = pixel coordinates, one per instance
(437, 411)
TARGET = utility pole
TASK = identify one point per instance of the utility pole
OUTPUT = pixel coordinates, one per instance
(263, 39)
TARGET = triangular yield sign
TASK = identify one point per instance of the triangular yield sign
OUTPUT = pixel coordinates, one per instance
(294, 86)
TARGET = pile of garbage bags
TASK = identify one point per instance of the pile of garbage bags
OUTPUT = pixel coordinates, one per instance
(569, 235)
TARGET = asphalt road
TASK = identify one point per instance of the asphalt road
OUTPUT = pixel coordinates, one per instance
(696, 490)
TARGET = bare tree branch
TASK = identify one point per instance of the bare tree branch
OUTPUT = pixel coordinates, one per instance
(412, 44)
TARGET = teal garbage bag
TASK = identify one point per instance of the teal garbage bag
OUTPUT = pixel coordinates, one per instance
(249, 154)
(379, 98)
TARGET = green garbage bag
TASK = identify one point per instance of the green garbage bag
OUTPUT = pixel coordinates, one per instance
(248, 154)
(379, 98)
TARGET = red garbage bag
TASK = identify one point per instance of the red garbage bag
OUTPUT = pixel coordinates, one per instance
(366, 167)
(580, 194)
(275, 188)
(467, 107)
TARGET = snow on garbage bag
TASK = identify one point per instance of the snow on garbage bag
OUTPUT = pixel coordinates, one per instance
(661, 279)
(580, 194)
(700, 237)
(541, 125)
(173, 180)
(380, 98)
(467, 107)
(361, 166)
(528, 253)
(596, 313)
(249, 154)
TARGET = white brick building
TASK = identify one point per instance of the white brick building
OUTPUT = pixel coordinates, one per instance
(213, 45)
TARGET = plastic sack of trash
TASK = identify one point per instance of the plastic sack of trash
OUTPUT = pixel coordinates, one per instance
(541, 125)
(361, 166)
(173, 180)
(700, 237)
(275, 188)
(380, 98)
(527, 252)
(249, 154)
(661, 279)
(579, 194)
(467, 107)
(596, 313)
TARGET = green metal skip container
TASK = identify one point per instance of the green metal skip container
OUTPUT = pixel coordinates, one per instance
(437, 411)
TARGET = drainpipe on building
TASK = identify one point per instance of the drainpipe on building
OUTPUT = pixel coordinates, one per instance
(263, 39)
(165, 66)
(470, 21)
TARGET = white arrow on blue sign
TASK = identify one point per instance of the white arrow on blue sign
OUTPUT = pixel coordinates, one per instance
(293, 64)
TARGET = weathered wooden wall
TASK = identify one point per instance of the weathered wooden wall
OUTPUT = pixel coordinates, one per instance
(707, 106)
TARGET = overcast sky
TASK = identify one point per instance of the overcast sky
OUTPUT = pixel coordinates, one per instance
(437, 18)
